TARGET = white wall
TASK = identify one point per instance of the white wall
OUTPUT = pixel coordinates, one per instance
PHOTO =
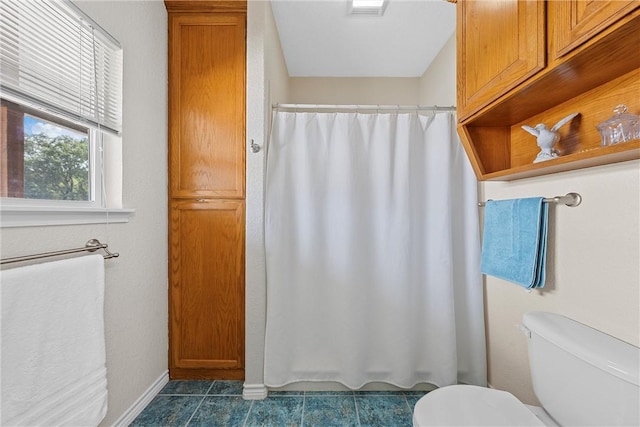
(593, 259)
(136, 282)
(267, 82)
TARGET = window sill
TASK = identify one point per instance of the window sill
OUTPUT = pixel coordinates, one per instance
(21, 216)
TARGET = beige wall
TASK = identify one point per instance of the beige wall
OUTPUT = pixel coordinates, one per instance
(349, 90)
(437, 86)
(276, 75)
(593, 271)
(136, 282)
(593, 259)
(438, 83)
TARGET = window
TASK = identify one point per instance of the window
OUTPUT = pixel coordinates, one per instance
(60, 109)
(47, 158)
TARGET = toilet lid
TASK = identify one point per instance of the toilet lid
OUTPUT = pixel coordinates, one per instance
(467, 405)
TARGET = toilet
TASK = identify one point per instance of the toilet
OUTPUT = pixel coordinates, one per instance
(582, 377)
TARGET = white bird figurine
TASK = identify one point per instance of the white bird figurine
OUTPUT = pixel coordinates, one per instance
(547, 138)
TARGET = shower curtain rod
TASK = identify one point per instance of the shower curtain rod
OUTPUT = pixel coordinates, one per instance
(365, 107)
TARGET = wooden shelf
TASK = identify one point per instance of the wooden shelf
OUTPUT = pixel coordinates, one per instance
(584, 159)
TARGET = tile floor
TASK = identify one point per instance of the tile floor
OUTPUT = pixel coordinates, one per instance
(220, 403)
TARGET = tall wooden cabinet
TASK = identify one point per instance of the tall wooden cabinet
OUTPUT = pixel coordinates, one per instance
(524, 62)
(207, 42)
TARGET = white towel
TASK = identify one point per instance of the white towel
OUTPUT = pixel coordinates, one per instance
(53, 346)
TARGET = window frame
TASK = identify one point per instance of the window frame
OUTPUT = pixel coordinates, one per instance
(105, 169)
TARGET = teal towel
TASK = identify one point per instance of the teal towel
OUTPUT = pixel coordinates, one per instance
(514, 244)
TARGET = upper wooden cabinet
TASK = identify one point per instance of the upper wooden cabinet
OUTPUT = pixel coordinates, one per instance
(207, 105)
(590, 64)
(576, 21)
(500, 44)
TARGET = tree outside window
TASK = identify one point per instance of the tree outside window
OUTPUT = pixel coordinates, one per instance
(56, 162)
(51, 161)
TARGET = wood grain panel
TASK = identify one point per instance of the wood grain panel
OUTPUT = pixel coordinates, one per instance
(208, 6)
(207, 284)
(576, 21)
(493, 149)
(205, 374)
(11, 150)
(500, 44)
(207, 105)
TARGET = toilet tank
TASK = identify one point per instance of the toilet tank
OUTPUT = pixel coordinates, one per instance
(581, 376)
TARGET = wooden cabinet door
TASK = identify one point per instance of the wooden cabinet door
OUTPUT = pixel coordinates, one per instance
(574, 22)
(207, 289)
(500, 44)
(206, 105)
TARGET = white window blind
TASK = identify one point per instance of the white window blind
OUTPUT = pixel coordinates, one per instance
(55, 57)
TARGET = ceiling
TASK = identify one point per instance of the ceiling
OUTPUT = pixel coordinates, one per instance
(320, 39)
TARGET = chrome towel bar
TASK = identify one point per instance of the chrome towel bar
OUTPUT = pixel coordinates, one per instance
(569, 199)
(91, 246)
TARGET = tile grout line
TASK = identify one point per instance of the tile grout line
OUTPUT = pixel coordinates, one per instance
(182, 394)
(246, 417)
(408, 405)
(355, 403)
(199, 404)
(304, 400)
(195, 410)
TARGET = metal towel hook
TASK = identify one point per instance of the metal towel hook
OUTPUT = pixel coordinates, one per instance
(255, 148)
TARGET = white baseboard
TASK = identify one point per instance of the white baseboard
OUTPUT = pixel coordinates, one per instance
(254, 392)
(142, 402)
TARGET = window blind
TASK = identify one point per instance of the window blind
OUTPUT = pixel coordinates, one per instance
(54, 57)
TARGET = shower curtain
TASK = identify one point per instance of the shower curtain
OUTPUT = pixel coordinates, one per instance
(372, 252)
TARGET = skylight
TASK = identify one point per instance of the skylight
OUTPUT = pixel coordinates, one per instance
(368, 3)
(367, 7)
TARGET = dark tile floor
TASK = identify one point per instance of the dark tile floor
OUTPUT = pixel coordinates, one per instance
(220, 403)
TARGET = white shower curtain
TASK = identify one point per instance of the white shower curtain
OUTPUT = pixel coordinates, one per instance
(372, 251)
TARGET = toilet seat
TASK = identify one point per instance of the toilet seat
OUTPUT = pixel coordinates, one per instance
(467, 405)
